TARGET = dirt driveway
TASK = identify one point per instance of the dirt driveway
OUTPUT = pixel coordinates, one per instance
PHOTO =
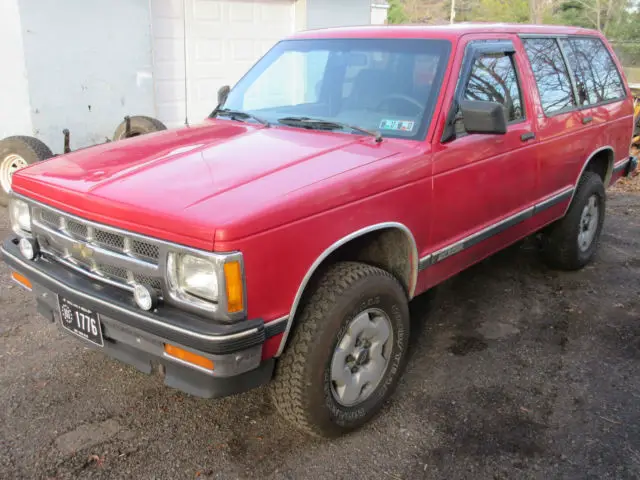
(517, 372)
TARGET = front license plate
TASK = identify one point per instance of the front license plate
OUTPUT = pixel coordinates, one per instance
(81, 321)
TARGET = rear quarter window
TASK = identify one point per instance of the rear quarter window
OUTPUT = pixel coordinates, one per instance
(551, 74)
(596, 75)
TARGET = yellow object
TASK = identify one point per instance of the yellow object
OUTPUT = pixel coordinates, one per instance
(188, 357)
(22, 280)
(235, 294)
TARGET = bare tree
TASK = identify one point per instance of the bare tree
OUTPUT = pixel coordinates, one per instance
(601, 12)
(533, 11)
(538, 8)
(422, 11)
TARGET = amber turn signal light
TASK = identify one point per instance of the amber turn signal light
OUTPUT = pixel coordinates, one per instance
(21, 280)
(233, 280)
(189, 357)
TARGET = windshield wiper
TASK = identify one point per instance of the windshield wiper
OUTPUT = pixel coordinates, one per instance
(320, 124)
(239, 115)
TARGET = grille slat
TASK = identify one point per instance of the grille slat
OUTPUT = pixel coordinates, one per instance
(81, 236)
(83, 262)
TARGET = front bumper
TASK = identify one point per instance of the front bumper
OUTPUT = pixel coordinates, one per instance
(137, 337)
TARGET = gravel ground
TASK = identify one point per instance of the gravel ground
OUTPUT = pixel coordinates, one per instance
(517, 371)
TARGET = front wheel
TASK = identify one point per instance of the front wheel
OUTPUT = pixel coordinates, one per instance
(347, 352)
(571, 243)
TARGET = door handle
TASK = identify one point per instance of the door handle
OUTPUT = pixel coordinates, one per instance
(586, 120)
(527, 136)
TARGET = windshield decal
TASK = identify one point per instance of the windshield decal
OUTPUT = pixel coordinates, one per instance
(397, 125)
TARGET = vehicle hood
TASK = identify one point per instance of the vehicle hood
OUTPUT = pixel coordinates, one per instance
(180, 185)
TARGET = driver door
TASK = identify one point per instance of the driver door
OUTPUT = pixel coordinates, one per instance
(481, 182)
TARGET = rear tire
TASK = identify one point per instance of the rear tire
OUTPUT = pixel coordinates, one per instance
(140, 125)
(16, 153)
(571, 243)
(347, 352)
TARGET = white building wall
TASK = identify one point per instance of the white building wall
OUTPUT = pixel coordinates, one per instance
(15, 117)
(379, 14)
(224, 39)
(85, 64)
(337, 13)
(88, 63)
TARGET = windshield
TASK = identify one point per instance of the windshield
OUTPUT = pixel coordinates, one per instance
(385, 85)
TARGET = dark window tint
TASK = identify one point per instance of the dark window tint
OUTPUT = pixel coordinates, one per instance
(494, 79)
(597, 78)
(551, 74)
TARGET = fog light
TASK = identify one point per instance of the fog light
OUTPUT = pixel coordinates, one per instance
(145, 297)
(28, 248)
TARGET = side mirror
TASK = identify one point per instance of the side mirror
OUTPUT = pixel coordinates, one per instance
(483, 117)
(223, 93)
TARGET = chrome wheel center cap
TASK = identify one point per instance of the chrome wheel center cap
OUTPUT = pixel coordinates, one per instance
(362, 356)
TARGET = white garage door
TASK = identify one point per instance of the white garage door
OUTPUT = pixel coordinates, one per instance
(224, 38)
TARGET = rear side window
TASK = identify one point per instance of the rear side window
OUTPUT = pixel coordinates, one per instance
(550, 71)
(494, 79)
(597, 78)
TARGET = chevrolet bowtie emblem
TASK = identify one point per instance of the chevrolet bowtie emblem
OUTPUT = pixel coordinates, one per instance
(84, 250)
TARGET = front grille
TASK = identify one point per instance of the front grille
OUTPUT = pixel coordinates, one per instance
(116, 273)
(109, 240)
(146, 250)
(50, 218)
(152, 282)
(116, 256)
(77, 229)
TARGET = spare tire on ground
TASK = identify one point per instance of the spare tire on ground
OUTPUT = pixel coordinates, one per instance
(139, 125)
(16, 153)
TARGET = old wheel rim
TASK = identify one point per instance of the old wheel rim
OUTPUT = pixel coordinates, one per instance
(589, 223)
(361, 357)
(10, 164)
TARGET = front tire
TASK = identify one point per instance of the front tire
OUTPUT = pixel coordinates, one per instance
(571, 242)
(347, 352)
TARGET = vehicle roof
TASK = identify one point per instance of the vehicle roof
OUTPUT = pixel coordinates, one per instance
(451, 32)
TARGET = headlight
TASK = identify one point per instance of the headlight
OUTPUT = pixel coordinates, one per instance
(20, 217)
(196, 276)
(209, 282)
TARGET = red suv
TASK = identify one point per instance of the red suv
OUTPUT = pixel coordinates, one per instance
(347, 172)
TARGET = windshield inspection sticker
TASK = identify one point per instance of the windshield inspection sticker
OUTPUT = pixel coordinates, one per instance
(397, 125)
